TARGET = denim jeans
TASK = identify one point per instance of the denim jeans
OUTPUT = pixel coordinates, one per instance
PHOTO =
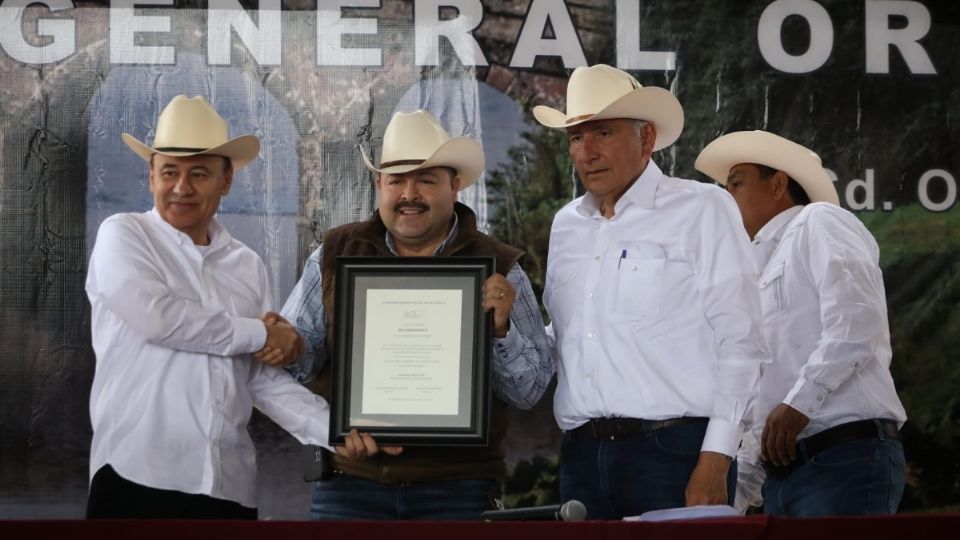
(861, 477)
(345, 497)
(630, 476)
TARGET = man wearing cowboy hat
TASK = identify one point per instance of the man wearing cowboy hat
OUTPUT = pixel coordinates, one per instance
(422, 169)
(655, 319)
(176, 306)
(828, 415)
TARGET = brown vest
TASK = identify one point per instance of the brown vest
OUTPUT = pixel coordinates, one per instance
(420, 463)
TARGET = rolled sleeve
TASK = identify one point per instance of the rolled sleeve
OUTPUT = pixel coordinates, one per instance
(522, 360)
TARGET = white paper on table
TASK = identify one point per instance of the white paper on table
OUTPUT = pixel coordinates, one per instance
(411, 361)
(687, 512)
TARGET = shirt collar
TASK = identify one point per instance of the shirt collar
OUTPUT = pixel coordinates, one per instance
(219, 236)
(450, 236)
(643, 193)
(774, 228)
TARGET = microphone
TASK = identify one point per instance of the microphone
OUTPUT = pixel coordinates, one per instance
(572, 510)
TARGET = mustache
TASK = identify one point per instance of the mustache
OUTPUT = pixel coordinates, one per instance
(410, 204)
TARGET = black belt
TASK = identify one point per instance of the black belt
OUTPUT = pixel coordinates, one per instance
(611, 428)
(809, 447)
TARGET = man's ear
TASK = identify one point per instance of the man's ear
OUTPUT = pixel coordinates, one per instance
(227, 181)
(779, 184)
(649, 138)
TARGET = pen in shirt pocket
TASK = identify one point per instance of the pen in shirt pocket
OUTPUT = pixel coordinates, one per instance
(623, 255)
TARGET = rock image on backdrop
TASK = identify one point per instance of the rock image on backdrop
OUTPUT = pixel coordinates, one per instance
(871, 85)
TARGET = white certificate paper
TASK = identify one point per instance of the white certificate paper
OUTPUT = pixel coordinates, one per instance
(411, 361)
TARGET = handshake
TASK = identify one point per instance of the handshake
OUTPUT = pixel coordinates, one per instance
(284, 345)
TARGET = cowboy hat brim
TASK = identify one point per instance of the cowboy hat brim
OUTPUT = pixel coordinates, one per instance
(461, 153)
(648, 103)
(241, 150)
(760, 147)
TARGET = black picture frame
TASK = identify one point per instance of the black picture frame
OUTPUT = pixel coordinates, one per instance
(386, 391)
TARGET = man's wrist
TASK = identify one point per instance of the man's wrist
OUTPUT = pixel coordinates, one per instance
(715, 459)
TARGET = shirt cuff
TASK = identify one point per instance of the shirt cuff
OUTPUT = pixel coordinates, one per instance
(505, 348)
(807, 397)
(249, 335)
(318, 428)
(722, 437)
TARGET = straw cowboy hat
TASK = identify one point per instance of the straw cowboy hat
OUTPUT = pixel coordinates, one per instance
(602, 92)
(763, 148)
(190, 127)
(415, 140)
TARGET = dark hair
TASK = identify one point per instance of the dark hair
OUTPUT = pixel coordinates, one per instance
(797, 194)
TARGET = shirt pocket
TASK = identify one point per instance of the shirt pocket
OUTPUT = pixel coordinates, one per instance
(639, 283)
(773, 290)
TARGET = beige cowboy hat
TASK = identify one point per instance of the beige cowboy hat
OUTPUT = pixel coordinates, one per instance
(602, 92)
(763, 148)
(190, 127)
(415, 140)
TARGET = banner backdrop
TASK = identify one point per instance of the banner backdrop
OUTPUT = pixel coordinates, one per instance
(870, 85)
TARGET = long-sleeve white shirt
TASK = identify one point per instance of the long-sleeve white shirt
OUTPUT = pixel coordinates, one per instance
(654, 313)
(825, 319)
(173, 325)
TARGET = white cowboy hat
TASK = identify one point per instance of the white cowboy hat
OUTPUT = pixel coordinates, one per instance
(190, 127)
(763, 148)
(602, 92)
(415, 140)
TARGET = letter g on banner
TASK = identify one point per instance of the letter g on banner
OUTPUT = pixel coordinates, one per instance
(821, 35)
(15, 44)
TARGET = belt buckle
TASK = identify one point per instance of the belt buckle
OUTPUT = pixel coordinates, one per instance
(606, 428)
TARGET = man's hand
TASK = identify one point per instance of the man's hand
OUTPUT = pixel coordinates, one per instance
(708, 482)
(779, 439)
(498, 295)
(284, 345)
(363, 445)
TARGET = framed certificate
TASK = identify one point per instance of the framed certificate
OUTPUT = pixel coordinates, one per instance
(412, 350)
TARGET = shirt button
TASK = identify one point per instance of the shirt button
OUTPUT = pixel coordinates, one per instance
(810, 410)
(819, 398)
(596, 258)
(589, 334)
(589, 294)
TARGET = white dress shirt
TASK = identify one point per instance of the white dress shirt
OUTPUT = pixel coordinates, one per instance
(825, 319)
(174, 387)
(654, 314)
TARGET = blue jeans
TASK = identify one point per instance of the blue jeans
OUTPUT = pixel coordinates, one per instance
(630, 476)
(861, 477)
(345, 497)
